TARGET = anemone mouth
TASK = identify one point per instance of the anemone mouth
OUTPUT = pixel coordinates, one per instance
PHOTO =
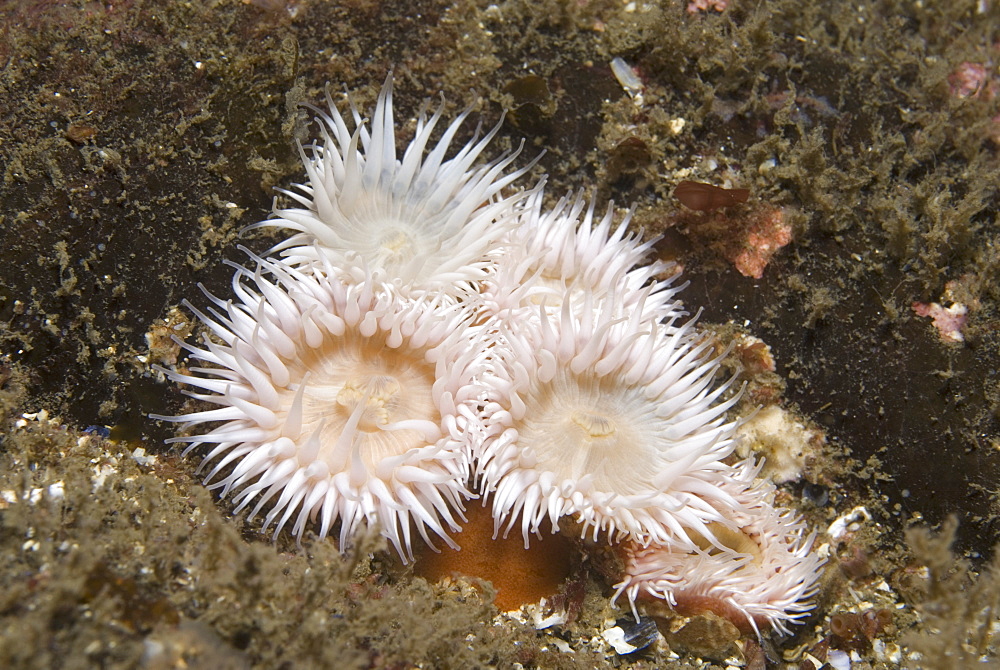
(580, 426)
(360, 393)
(395, 245)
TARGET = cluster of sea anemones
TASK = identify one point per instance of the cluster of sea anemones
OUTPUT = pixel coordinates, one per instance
(424, 337)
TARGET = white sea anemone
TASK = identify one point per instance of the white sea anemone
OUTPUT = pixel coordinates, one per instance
(338, 403)
(763, 572)
(422, 224)
(611, 417)
(562, 252)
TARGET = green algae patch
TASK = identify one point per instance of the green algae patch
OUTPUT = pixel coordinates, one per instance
(114, 558)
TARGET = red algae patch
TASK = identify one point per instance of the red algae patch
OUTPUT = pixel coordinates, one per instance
(765, 233)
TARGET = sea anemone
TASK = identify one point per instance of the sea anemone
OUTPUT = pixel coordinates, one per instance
(340, 403)
(612, 417)
(760, 573)
(422, 224)
(561, 251)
